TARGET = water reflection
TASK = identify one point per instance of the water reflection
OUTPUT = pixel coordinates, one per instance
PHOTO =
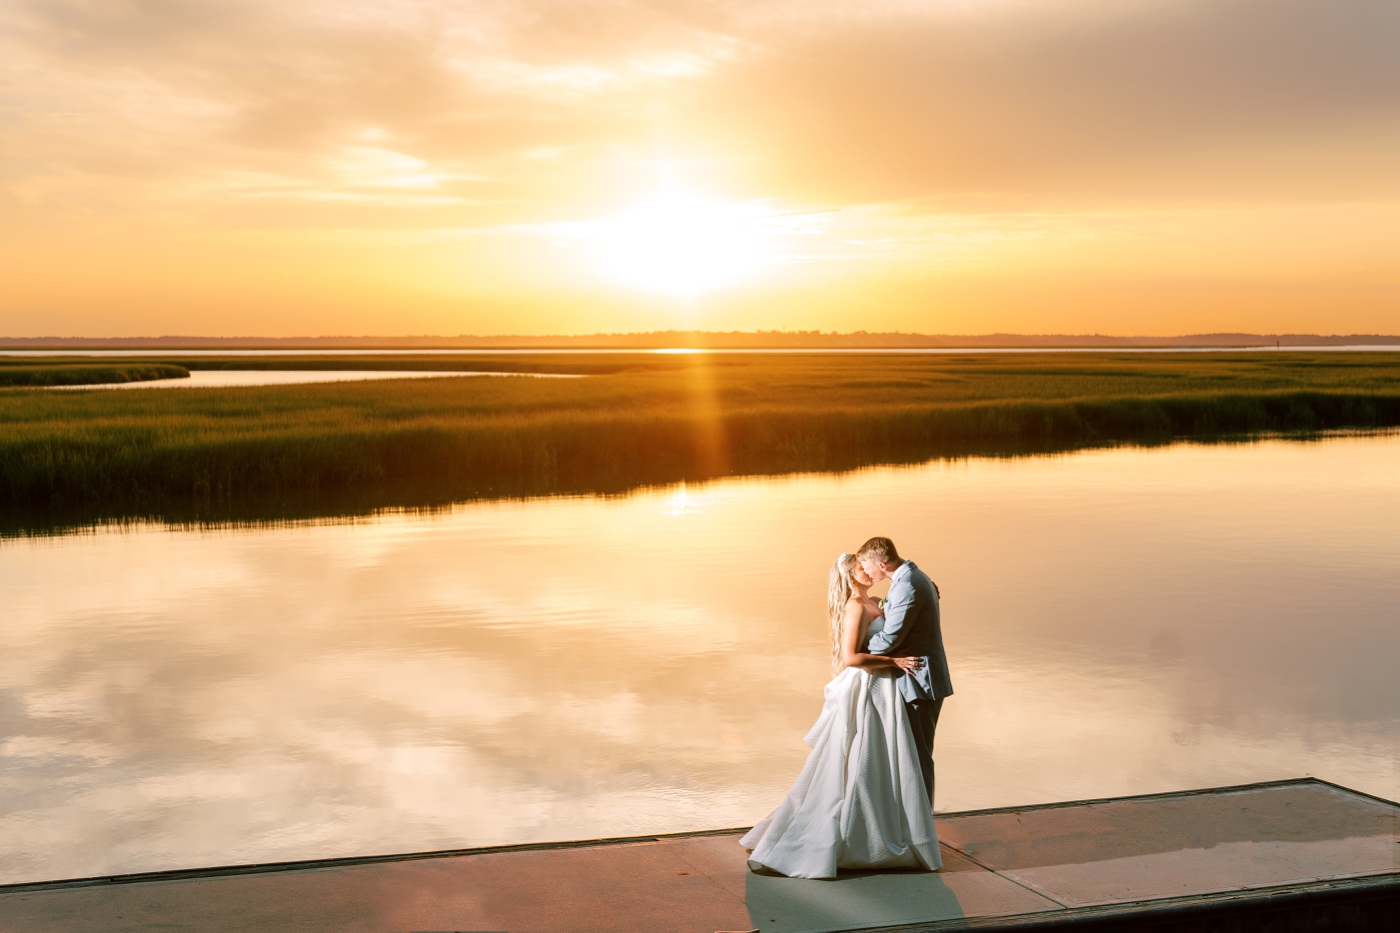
(1118, 621)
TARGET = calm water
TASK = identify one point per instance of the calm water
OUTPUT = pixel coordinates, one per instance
(1119, 621)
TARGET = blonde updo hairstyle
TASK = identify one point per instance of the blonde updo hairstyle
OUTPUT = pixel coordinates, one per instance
(839, 590)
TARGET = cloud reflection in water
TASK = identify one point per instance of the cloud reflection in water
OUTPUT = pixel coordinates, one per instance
(1118, 621)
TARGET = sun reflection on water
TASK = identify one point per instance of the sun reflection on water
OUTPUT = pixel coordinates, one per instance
(1118, 621)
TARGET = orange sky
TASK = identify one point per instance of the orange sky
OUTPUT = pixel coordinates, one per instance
(232, 167)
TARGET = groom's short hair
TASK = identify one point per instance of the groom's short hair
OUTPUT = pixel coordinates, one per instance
(879, 549)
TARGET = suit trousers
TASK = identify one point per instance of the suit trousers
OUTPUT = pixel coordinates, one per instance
(923, 718)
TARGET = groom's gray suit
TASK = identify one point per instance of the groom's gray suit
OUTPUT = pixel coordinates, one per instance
(913, 629)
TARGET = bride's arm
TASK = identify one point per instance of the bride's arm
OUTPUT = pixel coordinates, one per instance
(851, 631)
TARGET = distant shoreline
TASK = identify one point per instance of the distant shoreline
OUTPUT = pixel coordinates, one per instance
(730, 340)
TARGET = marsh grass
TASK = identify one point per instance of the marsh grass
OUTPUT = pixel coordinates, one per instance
(75, 374)
(318, 449)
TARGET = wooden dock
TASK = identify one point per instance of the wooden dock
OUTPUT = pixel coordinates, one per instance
(1288, 855)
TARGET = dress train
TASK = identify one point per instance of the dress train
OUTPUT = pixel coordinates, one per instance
(859, 801)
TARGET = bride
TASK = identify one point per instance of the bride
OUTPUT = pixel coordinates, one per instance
(860, 801)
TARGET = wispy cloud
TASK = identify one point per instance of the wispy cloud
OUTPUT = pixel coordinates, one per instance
(426, 115)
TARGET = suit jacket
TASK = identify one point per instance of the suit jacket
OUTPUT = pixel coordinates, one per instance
(913, 627)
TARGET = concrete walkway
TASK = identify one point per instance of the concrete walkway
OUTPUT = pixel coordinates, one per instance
(1175, 859)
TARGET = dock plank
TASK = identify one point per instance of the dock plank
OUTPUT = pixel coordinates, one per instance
(1173, 846)
(1292, 855)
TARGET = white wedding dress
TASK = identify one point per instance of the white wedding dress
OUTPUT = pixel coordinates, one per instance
(859, 801)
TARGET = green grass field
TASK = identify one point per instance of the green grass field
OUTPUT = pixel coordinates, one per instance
(286, 451)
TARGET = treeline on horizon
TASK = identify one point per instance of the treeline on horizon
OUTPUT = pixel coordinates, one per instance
(258, 453)
(711, 340)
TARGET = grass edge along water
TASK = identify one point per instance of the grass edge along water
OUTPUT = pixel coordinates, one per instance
(80, 374)
(270, 452)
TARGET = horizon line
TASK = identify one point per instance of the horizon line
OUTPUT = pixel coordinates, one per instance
(700, 339)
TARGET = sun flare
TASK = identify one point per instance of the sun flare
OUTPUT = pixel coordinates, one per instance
(680, 244)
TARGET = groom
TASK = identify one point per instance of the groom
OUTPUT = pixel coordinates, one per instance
(912, 629)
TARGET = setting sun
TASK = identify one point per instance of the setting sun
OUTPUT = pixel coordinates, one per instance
(679, 244)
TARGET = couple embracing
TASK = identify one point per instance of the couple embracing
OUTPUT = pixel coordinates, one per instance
(864, 798)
